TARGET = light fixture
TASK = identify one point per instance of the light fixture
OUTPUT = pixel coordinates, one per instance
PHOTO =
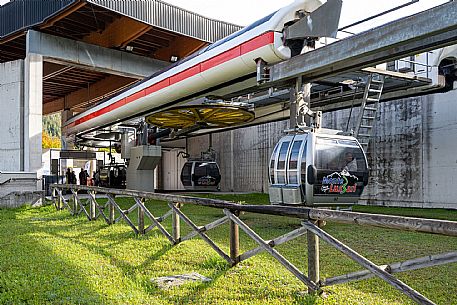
(129, 48)
(174, 58)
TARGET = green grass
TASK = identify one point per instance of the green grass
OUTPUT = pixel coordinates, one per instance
(50, 257)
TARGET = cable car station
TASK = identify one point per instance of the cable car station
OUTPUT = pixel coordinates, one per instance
(280, 107)
(338, 76)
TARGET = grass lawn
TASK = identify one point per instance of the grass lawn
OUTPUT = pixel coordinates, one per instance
(50, 257)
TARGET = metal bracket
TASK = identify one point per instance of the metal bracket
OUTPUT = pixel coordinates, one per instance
(263, 72)
(323, 22)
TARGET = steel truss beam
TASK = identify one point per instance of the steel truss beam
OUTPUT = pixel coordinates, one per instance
(428, 30)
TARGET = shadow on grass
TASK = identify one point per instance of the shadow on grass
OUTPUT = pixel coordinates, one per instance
(30, 271)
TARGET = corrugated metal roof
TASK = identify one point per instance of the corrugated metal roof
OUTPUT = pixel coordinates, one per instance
(22, 14)
(163, 15)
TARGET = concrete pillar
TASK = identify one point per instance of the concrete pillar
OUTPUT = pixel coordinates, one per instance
(11, 118)
(33, 114)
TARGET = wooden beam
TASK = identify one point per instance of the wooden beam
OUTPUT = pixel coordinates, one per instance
(274, 242)
(202, 234)
(129, 222)
(281, 259)
(81, 96)
(424, 225)
(412, 264)
(206, 228)
(73, 8)
(12, 37)
(141, 206)
(119, 33)
(181, 47)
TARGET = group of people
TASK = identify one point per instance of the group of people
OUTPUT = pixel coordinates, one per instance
(84, 178)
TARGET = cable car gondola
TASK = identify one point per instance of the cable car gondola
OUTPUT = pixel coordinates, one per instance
(201, 175)
(317, 168)
(112, 176)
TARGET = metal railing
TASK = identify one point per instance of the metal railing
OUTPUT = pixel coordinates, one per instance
(312, 222)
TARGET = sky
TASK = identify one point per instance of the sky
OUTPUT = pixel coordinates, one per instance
(244, 12)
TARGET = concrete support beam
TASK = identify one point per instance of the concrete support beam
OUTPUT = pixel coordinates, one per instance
(33, 114)
(62, 50)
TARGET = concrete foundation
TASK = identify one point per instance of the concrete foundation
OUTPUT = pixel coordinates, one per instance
(19, 188)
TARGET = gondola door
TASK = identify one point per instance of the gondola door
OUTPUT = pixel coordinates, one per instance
(287, 170)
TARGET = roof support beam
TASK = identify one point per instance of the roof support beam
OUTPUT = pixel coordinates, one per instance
(71, 9)
(91, 57)
(428, 30)
(119, 33)
(77, 98)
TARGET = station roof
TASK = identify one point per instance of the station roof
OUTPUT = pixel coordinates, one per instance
(152, 25)
(149, 28)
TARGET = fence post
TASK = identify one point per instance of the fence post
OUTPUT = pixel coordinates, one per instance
(75, 202)
(141, 218)
(60, 203)
(92, 207)
(111, 212)
(54, 196)
(235, 240)
(313, 256)
(176, 224)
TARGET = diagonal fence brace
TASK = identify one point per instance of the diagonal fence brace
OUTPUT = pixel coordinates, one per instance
(412, 264)
(154, 220)
(274, 242)
(99, 208)
(82, 208)
(130, 223)
(65, 201)
(289, 266)
(206, 228)
(379, 272)
(202, 234)
(159, 219)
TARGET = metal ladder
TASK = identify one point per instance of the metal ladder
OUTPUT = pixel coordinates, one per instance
(369, 109)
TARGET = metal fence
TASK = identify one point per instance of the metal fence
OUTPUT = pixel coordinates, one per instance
(312, 222)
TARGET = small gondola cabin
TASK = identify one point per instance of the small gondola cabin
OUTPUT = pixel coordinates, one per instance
(201, 175)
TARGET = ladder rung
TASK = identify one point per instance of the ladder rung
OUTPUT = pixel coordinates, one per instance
(375, 90)
(366, 126)
(369, 117)
(370, 99)
(371, 108)
(377, 81)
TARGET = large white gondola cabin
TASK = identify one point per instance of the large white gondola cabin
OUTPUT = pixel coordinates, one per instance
(317, 168)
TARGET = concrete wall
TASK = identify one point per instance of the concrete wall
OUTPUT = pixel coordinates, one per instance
(413, 157)
(11, 121)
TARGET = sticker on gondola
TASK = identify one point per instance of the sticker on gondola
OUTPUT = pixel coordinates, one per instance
(206, 181)
(339, 183)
